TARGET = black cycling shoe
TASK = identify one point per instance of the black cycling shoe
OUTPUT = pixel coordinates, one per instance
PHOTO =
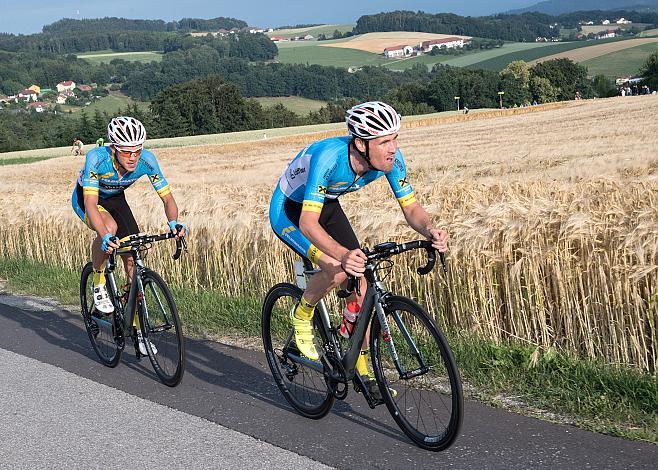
(373, 388)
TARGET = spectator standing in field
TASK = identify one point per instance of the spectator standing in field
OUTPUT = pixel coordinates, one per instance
(76, 149)
(100, 142)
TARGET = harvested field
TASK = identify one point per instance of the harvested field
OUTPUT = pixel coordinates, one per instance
(553, 215)
(377, 42)
(591, 52)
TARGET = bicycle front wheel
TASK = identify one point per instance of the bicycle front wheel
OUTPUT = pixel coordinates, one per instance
(100, 328)
(303, 387)
(417, 375)
(161, 329)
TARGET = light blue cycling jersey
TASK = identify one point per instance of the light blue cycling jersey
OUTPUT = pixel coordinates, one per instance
(323, 171)
(100, 175)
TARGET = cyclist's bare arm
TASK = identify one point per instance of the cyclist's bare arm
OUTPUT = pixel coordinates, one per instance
(352, 261)
(418, 218)
(171, 209)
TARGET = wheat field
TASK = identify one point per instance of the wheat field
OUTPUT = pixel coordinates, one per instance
(552, 212)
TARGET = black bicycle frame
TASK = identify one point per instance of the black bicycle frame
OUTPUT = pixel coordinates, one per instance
(373, 299)
(131, 247)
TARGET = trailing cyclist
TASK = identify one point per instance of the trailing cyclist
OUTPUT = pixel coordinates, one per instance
(306, 215)
(99, 201)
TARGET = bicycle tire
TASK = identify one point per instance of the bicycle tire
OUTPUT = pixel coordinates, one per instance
(102, 339)
(162, 328)
(304, 388)
(434, 395)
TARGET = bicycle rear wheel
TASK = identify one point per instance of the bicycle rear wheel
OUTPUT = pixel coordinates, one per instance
(417, 375)
(100, 328)
(161, 329)
(303, 387)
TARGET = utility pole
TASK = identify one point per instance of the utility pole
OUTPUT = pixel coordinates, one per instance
(500, 98)
(457, 100)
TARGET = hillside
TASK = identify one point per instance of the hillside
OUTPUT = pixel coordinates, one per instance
(558, 7)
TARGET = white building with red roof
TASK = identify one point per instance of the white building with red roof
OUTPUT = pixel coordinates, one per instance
(448, 43)
(402, 50)
(65, 85)
(27, 95)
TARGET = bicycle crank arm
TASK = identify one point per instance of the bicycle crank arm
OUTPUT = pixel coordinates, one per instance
(415, 373)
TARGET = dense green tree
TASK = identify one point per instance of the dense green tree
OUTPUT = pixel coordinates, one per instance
(650, 71)
(542, 90)
(515, 82)
(566, 77)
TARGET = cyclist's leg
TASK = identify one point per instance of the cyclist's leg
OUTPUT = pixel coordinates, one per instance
(120, 211)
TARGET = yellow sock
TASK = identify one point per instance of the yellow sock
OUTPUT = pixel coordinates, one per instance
(304, 310)
(362, 364)
(99, 277)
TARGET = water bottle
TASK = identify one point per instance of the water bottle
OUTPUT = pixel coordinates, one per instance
(350, 315)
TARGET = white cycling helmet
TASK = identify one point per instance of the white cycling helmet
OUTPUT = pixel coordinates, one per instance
(125, 131)
(372, 119)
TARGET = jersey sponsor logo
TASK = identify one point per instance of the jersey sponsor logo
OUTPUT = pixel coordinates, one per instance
(322, 189)
(107, 175)
(296, 172)
(329, 172)
(338, 184)
(155, 178)
(93, 175)
(288, 230)
(403, 182)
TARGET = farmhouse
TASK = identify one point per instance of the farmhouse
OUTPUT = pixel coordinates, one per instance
(606, 34)
(448, 43)
(38, 106)
(27, 95)
(66, 85)
(398, 51)
(84, 88)
(36, 88)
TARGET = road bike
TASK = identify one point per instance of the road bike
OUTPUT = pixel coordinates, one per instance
(145, 312)
(413, 365)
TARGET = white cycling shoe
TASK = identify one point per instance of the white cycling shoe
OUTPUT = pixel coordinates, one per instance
(142, 345)
(102, 300)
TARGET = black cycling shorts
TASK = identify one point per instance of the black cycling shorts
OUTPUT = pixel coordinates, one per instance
(116, 206)
(332, 219)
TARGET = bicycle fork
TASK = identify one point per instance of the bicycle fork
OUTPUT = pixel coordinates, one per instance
(390, 344)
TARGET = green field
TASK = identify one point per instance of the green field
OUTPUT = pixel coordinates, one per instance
(296, 104)
(109, 104)
(500, 62)
(315, 31)
(329, 56)
(98, 57)
(621, 63)
(649, 33)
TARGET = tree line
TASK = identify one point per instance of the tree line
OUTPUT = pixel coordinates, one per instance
(525, 27)
(214, 104)
(107, 24)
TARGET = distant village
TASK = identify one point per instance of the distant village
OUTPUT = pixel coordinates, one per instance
(41, 99)
(587, 30)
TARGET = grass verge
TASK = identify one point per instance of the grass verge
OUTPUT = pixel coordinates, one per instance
(19, 160)
(545, 384)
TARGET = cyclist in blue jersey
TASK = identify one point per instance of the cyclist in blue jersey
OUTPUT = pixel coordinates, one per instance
(306, 215)
(99, 201)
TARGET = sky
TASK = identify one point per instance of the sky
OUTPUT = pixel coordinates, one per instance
(26, 18)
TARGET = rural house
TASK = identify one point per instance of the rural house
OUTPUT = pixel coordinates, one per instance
(448, 43)
(27, 95)
(66, 85)
(398, 51)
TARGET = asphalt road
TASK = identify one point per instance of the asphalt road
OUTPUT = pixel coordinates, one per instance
(227, 413)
